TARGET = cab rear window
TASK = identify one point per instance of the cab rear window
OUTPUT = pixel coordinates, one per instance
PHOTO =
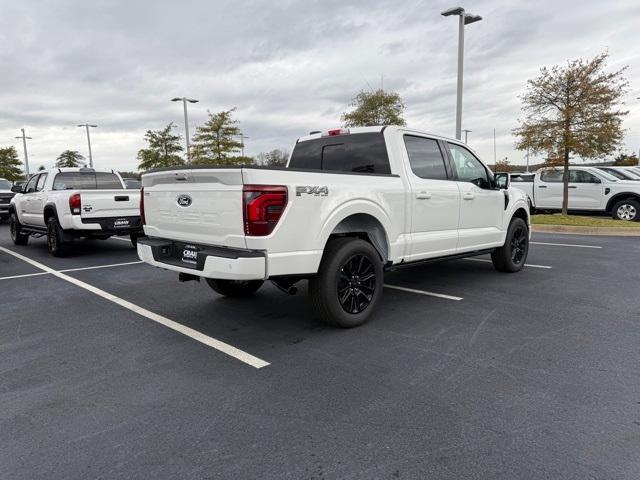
(360, 152)
(87, 181)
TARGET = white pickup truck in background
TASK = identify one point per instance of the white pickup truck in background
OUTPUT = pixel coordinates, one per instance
(68, 203)
(6, 194)
(590, 189)
(350, 204)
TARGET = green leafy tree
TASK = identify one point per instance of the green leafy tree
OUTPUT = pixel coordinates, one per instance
(375, 108)
(41, 168)
(573, 109)
(163, 149)
(215, 142)
(274, 158)
(10, 165)
(624, 160)
(69, 158)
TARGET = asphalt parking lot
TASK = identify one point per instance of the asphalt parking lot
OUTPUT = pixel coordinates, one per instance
(122, 372)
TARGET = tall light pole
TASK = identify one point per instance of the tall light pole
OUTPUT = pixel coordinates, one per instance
(466, 135)
(87, 125)
(24, 146)
(184, 101)
(465, 19)
(242, 137)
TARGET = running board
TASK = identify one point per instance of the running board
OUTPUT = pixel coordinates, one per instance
(34, 230)
(397, 266)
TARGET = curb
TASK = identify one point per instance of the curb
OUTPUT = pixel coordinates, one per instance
(575, 230)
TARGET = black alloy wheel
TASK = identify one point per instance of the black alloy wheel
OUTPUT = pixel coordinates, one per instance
(356, 284)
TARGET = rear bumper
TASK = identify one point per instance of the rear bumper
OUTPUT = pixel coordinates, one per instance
(211, 262)
(102, 226)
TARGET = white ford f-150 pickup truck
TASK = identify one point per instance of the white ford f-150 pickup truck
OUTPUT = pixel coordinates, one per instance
(349, 204)
(590, 189)
(68, 203)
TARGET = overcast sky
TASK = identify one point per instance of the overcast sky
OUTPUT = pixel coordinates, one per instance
(288, 66)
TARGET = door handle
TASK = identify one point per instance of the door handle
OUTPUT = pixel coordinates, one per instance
(468, 196)
(572, 187)
(542, 186)
(423, 195)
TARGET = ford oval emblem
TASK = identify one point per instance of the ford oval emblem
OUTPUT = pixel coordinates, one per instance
(184, 200)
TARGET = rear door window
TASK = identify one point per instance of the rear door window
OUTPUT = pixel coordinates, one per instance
(425, 157)
(359, 152)
(552, 176)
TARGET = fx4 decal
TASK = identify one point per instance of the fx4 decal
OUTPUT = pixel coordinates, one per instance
(315, 190)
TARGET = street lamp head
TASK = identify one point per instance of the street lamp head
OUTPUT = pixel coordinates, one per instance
(176, 99)
(192, 100)
(469, 18)
(453, 11)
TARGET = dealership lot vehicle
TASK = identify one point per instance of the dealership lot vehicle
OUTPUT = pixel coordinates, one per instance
(590, 189)
(496, 385)
(68, 203)
(5, 198)
(349, 204)
(621, 173)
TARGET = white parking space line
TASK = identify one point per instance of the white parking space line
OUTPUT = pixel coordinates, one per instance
(24, 275)
(100, 266)
(189, 332)
(564, 245)
(71, 270)
(486, 260)
(423, 292)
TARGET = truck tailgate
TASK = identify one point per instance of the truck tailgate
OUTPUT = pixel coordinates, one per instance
(199, 206)
(109, 203)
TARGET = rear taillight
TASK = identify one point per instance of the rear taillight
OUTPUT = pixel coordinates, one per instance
(75, 204)
(262, 206)
(144, 222)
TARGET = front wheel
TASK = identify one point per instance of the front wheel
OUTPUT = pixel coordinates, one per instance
(55, 238)
(627, 210)
(512, 256)
(234, 288)
(15, 228)
(348, 284)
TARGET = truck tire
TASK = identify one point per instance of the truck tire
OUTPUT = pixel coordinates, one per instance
(234, 288)
(627, 210)
(512, 256)
(15, 228)
(55, 238)
(349, 283)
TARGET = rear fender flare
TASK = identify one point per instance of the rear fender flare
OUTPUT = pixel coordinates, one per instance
(365, 208)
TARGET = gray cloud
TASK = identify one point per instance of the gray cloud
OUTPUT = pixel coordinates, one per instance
(289, 66)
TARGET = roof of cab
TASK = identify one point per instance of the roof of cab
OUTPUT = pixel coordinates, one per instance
(375, 129)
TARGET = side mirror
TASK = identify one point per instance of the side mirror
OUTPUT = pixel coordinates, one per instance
(503, 180)
(16, 188)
